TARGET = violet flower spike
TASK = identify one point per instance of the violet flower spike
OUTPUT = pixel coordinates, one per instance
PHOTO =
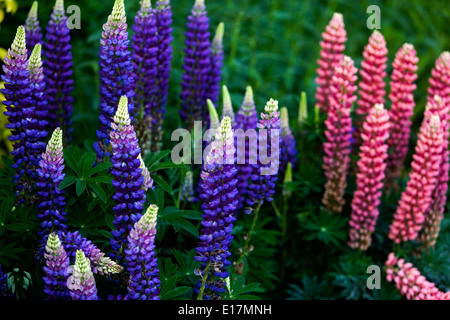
(264, 176)
(289, 145)
(56, 267)
(144, 53)
(26, 133)
(58, 69)
(81, 283)
(33, 32)
(246, 119)
(215, 74)
(164, 37)
(219, 196)
(116, 75)
(128, 178)
(51, 200)
(197, 67)
(141, 258)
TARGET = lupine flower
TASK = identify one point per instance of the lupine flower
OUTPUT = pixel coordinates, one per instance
(140, 255)
(416, 199)
(246, 119)
(338, 134)
(369, 179)
(410, 282)
(144, 53)
(3, 283)
(440, 78)
(371, 86)
(100, 263)
(38, 86)
(51, 200)
(213, 116)
(219, 196)
(227, 108)
(215, 73)
(435, 213)
(128, 178)
(148, 181)
(33, 32)
(289, 147)
(402, 88)
(116, 74)
(81, 283)
(56, 273)
(58, 71)
(333, 45)
(187, 188)
(26, 132)
(164, 38)
(264, 176)
(197, 66)
(302, 109)
(287, 180)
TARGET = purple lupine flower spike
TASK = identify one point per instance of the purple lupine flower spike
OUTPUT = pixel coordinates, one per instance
(116, 75)
(187, 188)
(164, 43)
(58, 71)
(215, 73)
(100, 263)
(197, 67)
(56, 269)
(81, 283)
(219, 196)
(288, 147)
(246, 119)
(148, 181)
(227, 106)
(38, 85)
(26, 133)
(128, 178)
(264, 176)
(144, 53)
(33, 32)
(51, 200)
(141, 259)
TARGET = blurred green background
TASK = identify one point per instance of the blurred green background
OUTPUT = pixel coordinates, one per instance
(271, 45)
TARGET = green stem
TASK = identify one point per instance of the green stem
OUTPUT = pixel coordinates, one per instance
(247, 242)
(202, 288)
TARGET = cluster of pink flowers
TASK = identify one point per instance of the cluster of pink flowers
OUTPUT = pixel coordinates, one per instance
(338, 134)
(333, 45)
(410, 282)
(417, 197)
(402, 98)
(371, 166)
(371, 87)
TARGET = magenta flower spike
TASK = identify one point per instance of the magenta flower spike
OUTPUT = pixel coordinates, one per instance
(333, 45)
(56, 265)
(338, 134)
(371, 86)
(410, 282)
(440, 78)
(369, 179)
(435, 214)
(402, 98)
(416, 199)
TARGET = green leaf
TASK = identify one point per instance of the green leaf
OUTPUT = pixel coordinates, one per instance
(80, 187)
(67, 182)
(164, 165)
(184, 224)
(99, 167)
(86, 163)
(155, 158)
(167, 286)
(99, 191)
(162, 183)
(176, 292)
(102, 179)
(70, 159)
